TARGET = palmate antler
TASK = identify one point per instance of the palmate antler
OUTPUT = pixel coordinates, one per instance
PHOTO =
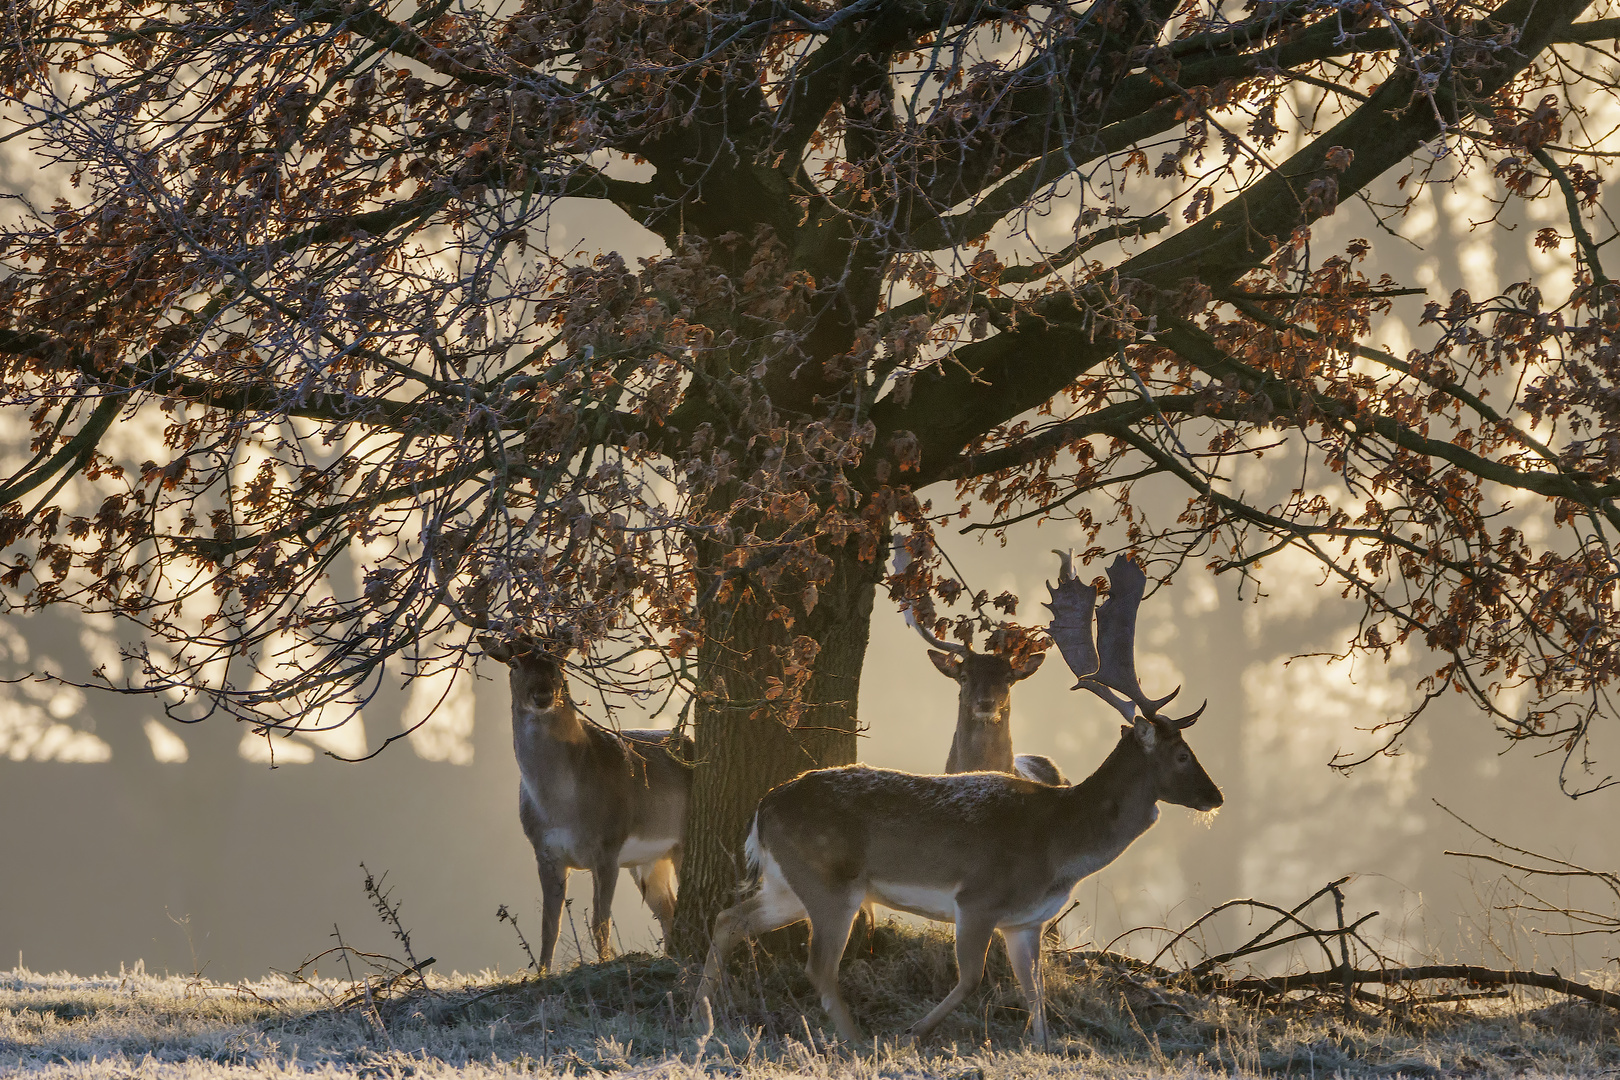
(1107, 662)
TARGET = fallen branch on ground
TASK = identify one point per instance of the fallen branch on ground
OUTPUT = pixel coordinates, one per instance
(1213, 974)
(1465, 973)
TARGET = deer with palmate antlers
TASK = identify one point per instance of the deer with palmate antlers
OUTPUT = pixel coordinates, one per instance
(984, 850)
(590, 798)
(983, 738)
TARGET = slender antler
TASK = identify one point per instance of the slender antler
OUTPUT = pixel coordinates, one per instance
(902, 559)
(1106, 662)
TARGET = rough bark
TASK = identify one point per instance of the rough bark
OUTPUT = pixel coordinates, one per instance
(740, 756)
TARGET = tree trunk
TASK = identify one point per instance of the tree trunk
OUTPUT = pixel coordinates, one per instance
(740, 756)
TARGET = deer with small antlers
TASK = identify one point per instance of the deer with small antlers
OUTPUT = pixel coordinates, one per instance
(983, 738)
(590, 798)
(982, 850)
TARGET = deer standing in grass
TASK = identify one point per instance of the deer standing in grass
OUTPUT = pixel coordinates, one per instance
(983, 850)
(590, 798)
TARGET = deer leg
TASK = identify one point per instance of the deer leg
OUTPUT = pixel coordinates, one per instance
(972, 940)
(604, 880)
(830, 918)
(772, 907)
(553, 890)
(865, 924)
(657, 882)
(1024, 950)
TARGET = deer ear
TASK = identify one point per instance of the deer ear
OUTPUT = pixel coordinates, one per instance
(494, 649)
(1146, 734)
(1029, 667)
(949, 666)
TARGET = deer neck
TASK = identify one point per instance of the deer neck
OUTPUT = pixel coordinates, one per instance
(1116, 803)
(981, 743)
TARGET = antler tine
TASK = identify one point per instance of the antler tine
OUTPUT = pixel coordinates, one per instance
(1116, 634)
(1072, 604)
(1191, 718)
(902, 559)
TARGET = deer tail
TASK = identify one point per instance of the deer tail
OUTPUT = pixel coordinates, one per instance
(751, 849)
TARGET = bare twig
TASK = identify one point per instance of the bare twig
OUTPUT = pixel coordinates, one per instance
(506, 916)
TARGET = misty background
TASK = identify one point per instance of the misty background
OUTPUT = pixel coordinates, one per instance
(126, 837)
(129, 838)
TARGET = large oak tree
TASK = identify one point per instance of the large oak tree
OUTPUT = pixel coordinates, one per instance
(329, 251)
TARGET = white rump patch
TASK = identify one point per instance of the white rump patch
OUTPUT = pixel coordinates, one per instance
(751, 845)
(777, 903)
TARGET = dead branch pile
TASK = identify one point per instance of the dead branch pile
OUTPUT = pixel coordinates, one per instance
(1349, 960)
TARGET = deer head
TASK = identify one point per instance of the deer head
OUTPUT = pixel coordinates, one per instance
(1176, 773)
(537, 675)
(986, 679)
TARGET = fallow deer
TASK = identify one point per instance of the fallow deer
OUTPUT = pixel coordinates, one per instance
(983, 850)
(590, 798)
(983, 739)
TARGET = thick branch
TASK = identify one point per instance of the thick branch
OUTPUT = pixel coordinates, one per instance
(406, 42)
(1048, 440)
(152, 377)
(998, 377)
(1381, 134)
(1027, 365)
(75, 452)
(1198, 348)
(1145, 104)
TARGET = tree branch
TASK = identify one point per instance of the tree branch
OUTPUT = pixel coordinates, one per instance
(1064, 339)
(1467, 973)
(1197, 347)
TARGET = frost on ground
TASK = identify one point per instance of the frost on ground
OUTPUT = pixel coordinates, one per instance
(628, 1017)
